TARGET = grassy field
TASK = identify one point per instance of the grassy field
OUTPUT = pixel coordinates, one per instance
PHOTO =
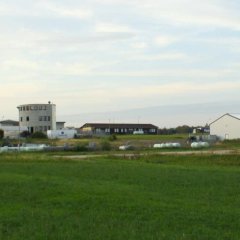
(157, 197)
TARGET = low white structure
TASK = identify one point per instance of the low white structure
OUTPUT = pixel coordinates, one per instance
(167, 145)
(25, 148)
(226, 127)
(13, 131)
(63, 133)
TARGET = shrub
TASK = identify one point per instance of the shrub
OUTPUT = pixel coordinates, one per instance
(25, 134)
(112, 137)
(39, 135)
(105, 145)
(81, 148)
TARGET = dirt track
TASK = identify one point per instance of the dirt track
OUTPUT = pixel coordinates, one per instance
(132, 155)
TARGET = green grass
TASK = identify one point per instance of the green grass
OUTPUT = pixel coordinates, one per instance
(151, 197)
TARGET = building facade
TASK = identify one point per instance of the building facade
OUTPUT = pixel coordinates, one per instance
(118, 128)
(37, 117)
(226, 127)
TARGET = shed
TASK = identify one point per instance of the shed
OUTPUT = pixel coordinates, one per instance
(226, 126)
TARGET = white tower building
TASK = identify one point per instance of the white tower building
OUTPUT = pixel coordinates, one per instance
(37, 117)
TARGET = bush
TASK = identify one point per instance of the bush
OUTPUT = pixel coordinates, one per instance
(81, 148)
(25, 134)
(39, 135)
(105, 145)
(1, 134)
(112, 137)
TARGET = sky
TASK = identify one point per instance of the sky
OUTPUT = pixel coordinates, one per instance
(102, 56)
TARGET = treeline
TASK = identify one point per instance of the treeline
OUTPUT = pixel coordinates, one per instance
(180, 130)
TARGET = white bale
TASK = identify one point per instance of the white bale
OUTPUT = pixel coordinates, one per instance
(204, 144)
(124, 147)
(176, 145)
(194, 145)
(168, 145)
(200, 144)
(4, 149)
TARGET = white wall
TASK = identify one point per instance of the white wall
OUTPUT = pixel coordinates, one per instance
(63, 133)
(226, 127)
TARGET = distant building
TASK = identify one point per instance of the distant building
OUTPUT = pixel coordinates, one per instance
(11, 128)
(9, 123)
(13, 131)
(226, 126)
(60, 125)
(37, 117)
(118, 128)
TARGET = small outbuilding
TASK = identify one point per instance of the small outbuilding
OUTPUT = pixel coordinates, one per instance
(61, 133)
(226, 127)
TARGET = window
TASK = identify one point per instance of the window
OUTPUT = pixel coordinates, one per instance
(98, 130)
(49, 118)
(23, 108)
(27, 108)
(45, 128)
(45, 118)
(116, 130)
(27, 118)
(40, 107)
(21, 119)
(49, 127)
(40, 118)
(35, 107)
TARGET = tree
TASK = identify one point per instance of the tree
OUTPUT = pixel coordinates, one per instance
(184, 129)
(1, 134)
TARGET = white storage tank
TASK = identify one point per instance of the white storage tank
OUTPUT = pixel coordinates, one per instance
(63, 133)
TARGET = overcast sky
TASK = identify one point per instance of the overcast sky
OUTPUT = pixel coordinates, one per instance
(108, 55)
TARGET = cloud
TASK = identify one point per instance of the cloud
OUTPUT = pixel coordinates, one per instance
(63, 11)
(164, 41)
(20, 64)
(102, 27)
(18, 90)
(139, 45)
(45, 9)
(161, 57)
(205, 13)
(172, 72)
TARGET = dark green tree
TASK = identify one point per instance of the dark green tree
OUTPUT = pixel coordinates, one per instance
(1, 134)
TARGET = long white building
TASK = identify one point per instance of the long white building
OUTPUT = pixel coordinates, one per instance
(226, 127)
(37, 117)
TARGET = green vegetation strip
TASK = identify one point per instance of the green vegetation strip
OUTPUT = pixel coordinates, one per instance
(148, 197)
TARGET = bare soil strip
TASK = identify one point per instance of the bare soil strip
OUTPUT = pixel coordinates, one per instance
(132, 155)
